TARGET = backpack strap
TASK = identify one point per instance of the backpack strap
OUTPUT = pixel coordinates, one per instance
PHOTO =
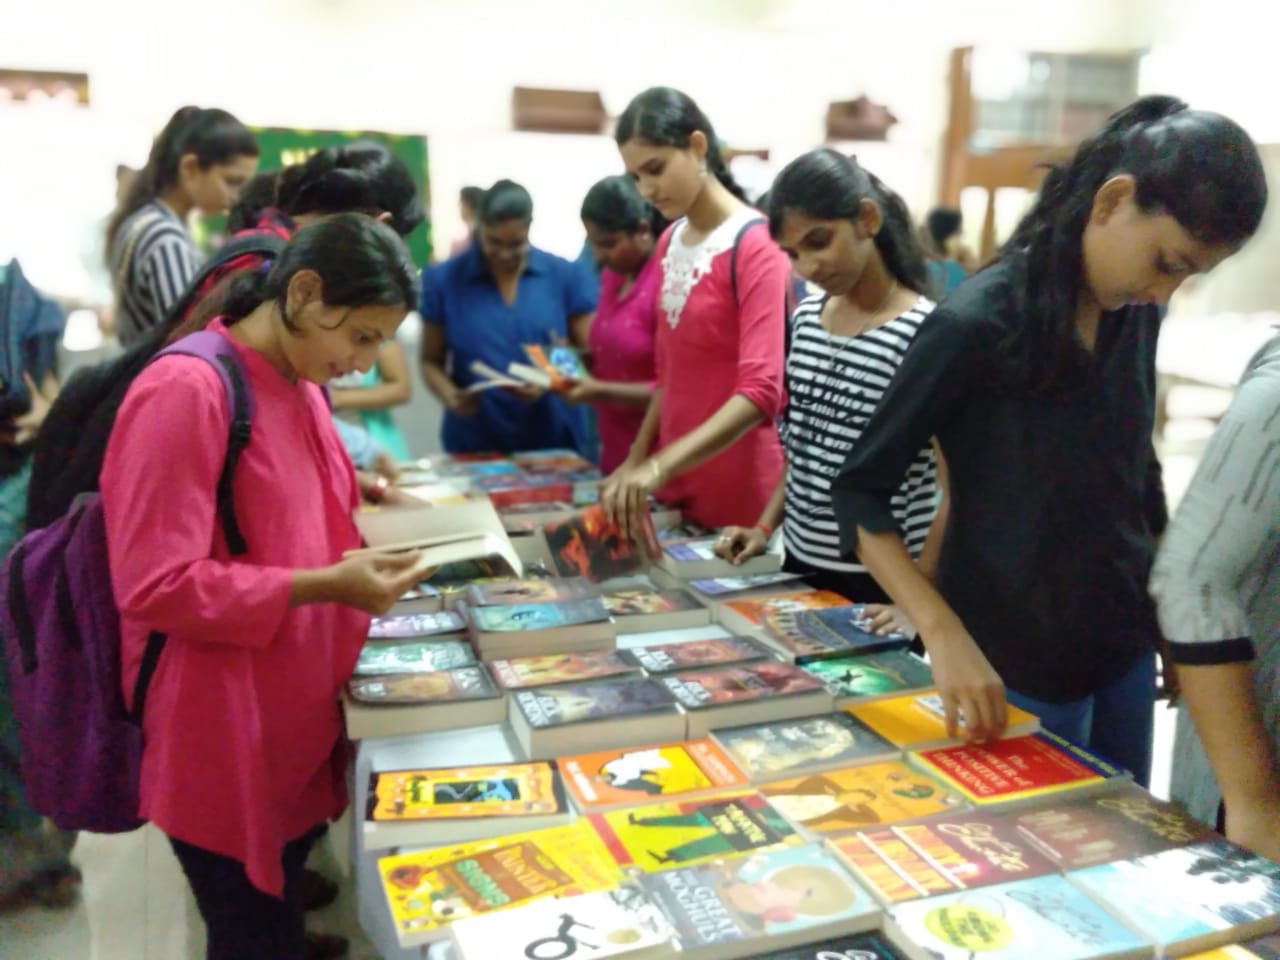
(220, 354)
(257, 243)
(733, 255)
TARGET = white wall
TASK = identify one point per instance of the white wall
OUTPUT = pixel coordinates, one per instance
(764, 71)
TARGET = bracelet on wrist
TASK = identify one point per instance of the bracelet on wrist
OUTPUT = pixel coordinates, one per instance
(378, 490)
(768, 530)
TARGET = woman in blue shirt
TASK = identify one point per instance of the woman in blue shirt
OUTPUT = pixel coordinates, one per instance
(486, 304)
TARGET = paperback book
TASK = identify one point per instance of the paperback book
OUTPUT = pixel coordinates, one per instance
(429, 889)
(727, 586)
(1190, 899)
(414, 656)
(556, 721)
(642, 609)
(762, 904)
(613, 779)
(394, 706)
(416, 625)
(464, 683)
(918, 721)
(691, 654)
(763, 691)
(790, 748)
(524, 673)
(498, 593)
(872, 676)
(757, 615)
(681, 832)
(843, 800)
(588, 545)
(697, 560)
(887, 943)
(833, 632)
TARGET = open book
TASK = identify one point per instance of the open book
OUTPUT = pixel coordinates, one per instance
(443, 535)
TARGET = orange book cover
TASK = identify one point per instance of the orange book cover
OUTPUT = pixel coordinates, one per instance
(763, 610)
(917, 719)
(634, 776)
(870, 795)
(513, 790)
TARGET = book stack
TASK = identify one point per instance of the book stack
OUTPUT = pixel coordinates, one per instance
(401, 705)
(697, 560)
(537, 617)
(756, 615)
(554, 721)
(730, 696)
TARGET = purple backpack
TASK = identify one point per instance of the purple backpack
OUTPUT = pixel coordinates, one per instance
(81, 748)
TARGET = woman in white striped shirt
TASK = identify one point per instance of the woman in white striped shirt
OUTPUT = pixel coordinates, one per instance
(200, 161)
(849, 234)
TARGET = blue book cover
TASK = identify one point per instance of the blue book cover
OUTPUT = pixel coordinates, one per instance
(1044, 918)
(557, 706)
(520, 617)
(1203, 896)
(778, 898)
(839, 631)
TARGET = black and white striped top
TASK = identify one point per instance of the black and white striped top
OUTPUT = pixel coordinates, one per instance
(163, 261)
(834, 385)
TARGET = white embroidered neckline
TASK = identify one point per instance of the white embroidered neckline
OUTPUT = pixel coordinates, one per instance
(683, 265)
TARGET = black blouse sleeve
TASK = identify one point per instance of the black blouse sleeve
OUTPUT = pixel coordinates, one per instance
(932, 384)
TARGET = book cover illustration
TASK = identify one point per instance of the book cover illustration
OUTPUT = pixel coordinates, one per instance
(831, 631)
(917, 721)
(521, 673)
(614, 777)
(714, 652)
(1017, 768)
(858, 797)
(558, 706)
(872, 674)
(722, 586)
(497, 593)
(588, 545)
(1128, 822)
(942, 855)
(771, 751)
(681, 832)
(714, 688)
(513, 790)
(862, 946)
(443, 686)
(781, 892)
(416, 656)
(563, 364)
(765, 611)
(429, 889)
(1190, 892)
(1045, 918)
(406, 626)
(466, 572)
(642, 601)
(521, 617)
(609, 923)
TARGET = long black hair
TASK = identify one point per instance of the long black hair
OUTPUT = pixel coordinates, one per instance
(214, 136)
(1199, 167)
(505, 200)
(255, 198)
(615, 204)
(360, 261)
(362, 177)
(826, 185)
(668, 118)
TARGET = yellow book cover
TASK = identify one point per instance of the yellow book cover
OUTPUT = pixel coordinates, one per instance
(918, 720)
(679, 833)
(513, 790)
(428, 890)
(858, 797)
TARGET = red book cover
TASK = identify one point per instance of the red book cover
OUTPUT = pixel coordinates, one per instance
(504, 497)
(588, 545)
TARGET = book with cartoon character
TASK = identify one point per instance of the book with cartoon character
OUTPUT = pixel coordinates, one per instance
(429, 889)
(806, 745)
(613, 779)
(623, 924)
(414, 656)
(524, 673)
(681, 832)
(869, 795)
(761, 904)
(872, 676)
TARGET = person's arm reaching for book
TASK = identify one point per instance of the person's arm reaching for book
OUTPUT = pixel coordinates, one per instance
(933, 379)
(1221, 530)
(159, 494)
(757, 394)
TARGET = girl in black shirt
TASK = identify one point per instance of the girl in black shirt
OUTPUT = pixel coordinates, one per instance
(1037, 377)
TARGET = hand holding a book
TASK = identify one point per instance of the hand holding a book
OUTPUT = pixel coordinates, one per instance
(740, 544)
(463, 403)
(528, 392)
(884, 619)
(969, 685)
(370, 582)
(624, 496)
(581, 390)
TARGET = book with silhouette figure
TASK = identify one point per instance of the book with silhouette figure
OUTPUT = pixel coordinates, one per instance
(872, 676)
(804, 746)
(869, 795)
(588, 545)
(626, 777)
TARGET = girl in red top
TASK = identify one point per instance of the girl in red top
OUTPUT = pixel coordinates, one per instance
(622, 230)
(244, 754)
(708, 443)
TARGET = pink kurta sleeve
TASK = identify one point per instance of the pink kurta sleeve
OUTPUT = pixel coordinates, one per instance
(158, 494)
(763, 273)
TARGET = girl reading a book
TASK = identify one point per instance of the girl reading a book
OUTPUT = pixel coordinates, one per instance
(1037, 377)
(244, 757)
(707, 442)
(848, 233)
(622, 229)
(485, 306)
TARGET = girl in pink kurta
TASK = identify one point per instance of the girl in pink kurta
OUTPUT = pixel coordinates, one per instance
(622, 230)
(244, 752)
(709, 442)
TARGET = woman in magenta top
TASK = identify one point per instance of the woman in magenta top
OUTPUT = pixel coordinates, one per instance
(622, 230)
(244, 754)
(708, 443)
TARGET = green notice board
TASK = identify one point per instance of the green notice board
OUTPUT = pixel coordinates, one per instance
(282, 147)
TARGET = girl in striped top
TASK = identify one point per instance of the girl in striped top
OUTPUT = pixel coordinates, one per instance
(849, 234)
(200, 161)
